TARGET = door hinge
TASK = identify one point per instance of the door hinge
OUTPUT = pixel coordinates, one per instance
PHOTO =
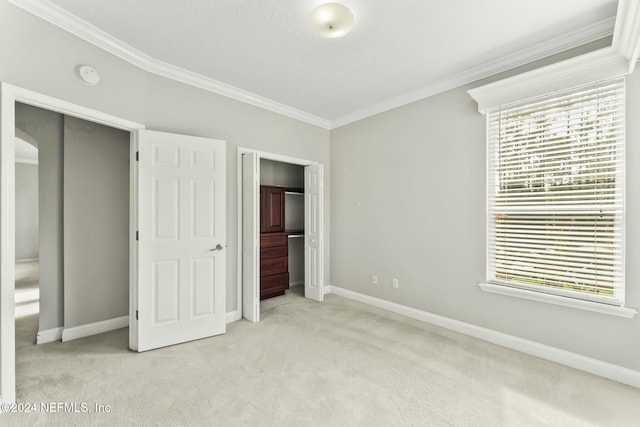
(137, 235)
(137, 156)
(136, 314)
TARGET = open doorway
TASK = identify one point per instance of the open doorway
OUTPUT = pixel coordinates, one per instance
(11, 97)
(77, 224)
(281, 211)
(162, 167)
(27, 291)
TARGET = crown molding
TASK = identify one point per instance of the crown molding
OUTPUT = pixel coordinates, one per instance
(584, 35)
(587, 68)
(615, 61)
(59, 17)
(626, 37)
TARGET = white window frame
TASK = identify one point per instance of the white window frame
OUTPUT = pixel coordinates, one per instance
(521, 261)
(598, 65)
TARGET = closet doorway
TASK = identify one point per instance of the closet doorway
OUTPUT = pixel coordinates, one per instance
(280, 232)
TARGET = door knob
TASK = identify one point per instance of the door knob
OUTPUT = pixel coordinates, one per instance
(218, 247)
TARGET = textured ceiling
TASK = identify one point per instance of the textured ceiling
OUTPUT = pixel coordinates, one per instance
(397, 47)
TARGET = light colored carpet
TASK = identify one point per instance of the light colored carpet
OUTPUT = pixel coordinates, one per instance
(337, 363)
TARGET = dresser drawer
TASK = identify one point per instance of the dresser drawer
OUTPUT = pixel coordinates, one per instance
(271, 286)
(274, 266)
(271, 241)
(275, 252)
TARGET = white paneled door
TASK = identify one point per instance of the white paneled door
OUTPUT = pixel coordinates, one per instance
(181, 239)
(313, 257)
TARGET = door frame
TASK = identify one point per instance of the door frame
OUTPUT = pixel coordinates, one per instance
(9, 95)
(268, 156)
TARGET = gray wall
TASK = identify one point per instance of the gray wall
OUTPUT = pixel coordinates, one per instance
(26, 211)
(411, 205)
(44, 61)
(96, 222)
(47, 128)
(289, 175)
(83, 181)
(282, 174)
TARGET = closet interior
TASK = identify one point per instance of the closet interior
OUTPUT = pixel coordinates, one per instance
(281, 227)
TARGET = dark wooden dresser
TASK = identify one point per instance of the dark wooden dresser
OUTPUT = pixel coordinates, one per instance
(274, 242)
(274, 264)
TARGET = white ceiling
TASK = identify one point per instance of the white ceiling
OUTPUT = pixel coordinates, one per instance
(264, 52)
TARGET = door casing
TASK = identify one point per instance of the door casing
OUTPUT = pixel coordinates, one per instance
(9, 95)
(239, 257)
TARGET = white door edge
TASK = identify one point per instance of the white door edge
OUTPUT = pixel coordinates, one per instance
(133, 243)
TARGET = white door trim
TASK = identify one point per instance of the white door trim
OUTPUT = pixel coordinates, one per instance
(9, 96)
(261, 155)
(250, 230)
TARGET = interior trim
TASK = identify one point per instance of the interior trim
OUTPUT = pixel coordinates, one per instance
(587, 34)
(94, 328)
(605, 63)
(49, 335)
(612, 310)
(233, 316)
(90, 33)
(626, 37)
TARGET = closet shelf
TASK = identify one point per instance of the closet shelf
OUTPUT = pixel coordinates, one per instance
(292, 190)
(288, 233)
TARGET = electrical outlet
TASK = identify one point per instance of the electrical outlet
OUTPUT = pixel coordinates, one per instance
(374, 279)
(395, 283)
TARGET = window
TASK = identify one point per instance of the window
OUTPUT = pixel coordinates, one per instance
(556, 193)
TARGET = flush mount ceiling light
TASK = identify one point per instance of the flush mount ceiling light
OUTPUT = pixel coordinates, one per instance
(331, 20)
(87, 75)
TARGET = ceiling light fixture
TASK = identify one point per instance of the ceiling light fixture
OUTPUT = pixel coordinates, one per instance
(331, 20)
(87, 75)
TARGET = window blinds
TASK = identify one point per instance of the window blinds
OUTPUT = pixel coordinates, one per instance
(556, 193)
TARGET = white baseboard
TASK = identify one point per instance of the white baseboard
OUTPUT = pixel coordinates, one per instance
(49, 335)
(327, 289)
(21, 261)
(89, 329)
(297, 283)
(233, 316)
(577, 361)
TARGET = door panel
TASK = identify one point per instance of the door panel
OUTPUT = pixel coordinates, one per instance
(203, 210)
(203, 297)
(166, 287)
(166, 206)
(182, 233)
(272, 219)
(313, 262)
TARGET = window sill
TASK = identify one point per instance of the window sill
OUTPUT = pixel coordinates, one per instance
(612, 310)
